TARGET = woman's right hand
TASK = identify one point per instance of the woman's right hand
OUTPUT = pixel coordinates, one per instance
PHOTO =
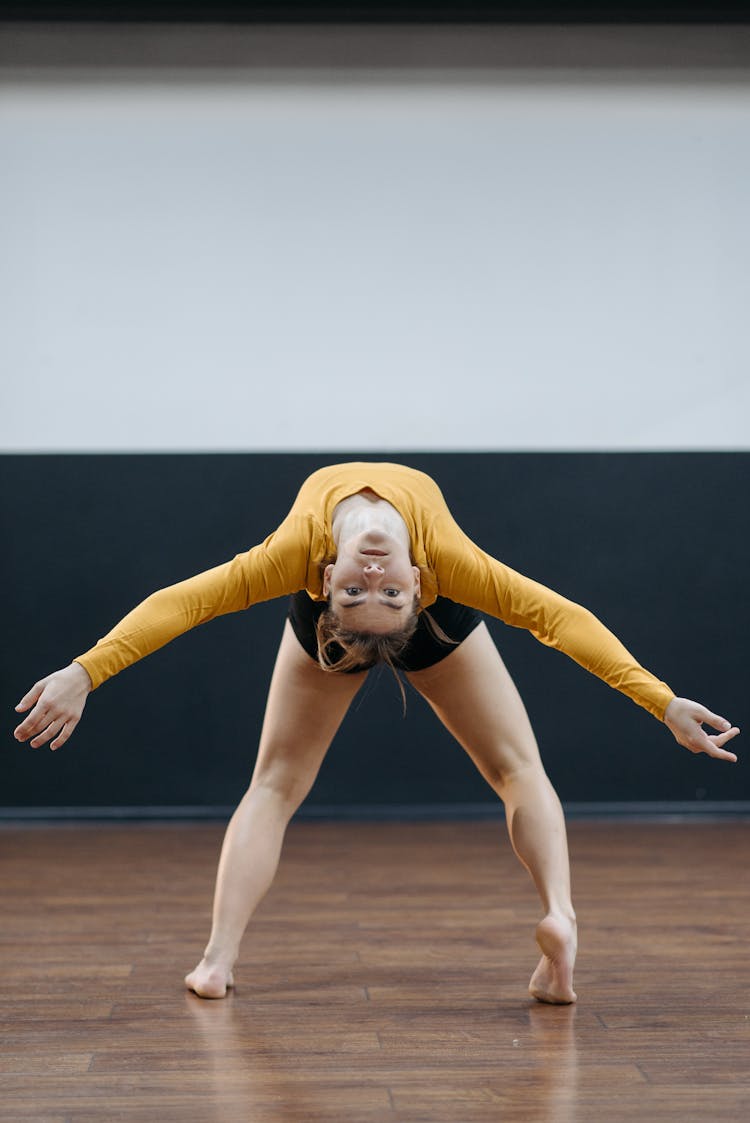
(58, 702)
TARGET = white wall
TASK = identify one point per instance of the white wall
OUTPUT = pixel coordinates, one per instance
(255, 265)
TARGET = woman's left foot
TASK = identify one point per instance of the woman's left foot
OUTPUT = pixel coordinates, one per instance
(209, 980)
(553, 979)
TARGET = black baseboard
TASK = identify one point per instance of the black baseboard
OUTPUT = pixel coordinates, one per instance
(651, 811)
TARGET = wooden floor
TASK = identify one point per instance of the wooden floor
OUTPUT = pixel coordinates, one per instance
(384, 979)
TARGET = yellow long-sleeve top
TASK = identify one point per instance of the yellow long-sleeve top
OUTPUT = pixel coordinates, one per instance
(451, 565)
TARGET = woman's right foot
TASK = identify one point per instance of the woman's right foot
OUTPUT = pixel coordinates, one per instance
(209, 980)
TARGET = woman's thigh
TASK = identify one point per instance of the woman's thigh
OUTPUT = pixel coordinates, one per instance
(305, 707)
(474, 696)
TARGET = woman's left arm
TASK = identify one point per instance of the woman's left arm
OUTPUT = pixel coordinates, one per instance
(685, 719)
(468, 575)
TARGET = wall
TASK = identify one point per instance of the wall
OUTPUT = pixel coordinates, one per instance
(513, 253)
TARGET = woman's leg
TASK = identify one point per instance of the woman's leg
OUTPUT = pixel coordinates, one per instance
(305, 708)
(475, 698)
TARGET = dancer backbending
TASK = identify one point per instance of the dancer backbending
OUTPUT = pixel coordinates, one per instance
(366, 551)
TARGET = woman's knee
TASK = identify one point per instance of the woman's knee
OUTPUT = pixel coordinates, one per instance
(286, 786)
(496, 768)
(509, 777)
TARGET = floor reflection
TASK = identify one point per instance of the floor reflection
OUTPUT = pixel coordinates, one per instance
(268, 1064)
(554, 1040)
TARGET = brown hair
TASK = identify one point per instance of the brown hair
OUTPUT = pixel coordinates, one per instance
(341, 649)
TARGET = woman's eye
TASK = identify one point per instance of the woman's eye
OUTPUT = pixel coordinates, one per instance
(352, 590)
(392, 592)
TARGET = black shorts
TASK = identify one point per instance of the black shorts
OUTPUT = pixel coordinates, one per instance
(423, 649)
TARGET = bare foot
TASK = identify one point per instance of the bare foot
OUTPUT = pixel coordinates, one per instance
(209, 980)
(553, 979)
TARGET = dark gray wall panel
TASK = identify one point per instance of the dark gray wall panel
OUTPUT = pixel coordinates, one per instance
(655, 544)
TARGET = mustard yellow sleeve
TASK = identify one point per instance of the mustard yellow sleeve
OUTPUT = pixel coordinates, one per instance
(276, 567)
(468, 575)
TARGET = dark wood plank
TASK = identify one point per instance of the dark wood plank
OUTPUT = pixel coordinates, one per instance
(384, 979)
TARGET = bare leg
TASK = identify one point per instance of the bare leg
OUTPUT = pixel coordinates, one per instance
(475, 698)
(305, 708)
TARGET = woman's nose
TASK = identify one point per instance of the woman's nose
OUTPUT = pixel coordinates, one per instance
(373, 567)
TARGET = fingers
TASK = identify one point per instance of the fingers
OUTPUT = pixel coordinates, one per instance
(45, 726)
(38, 720)
(713, 745)
(29, 699)
(686, 718)
(66, 731)
(44, 723)
(714, 720)
(31, 724)
(47, 734)
(721, 754)
(58, 702)
(718, 743)
(722, 738)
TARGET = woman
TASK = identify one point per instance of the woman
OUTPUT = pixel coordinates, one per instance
(366, 551)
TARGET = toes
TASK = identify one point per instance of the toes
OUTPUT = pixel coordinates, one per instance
(208, 985)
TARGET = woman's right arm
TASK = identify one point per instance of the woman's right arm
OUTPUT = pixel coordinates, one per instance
(275, 567)
(58, 700)
(170, 612)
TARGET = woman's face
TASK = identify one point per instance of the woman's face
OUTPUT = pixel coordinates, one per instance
(372, 584)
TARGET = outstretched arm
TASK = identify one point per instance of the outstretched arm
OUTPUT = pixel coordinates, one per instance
(685, 719)
(275, 567)
(470, 576)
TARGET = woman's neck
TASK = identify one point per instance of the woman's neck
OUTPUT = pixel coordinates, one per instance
(367, 511)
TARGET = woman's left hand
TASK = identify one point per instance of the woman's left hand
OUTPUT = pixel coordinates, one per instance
(686, 718)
